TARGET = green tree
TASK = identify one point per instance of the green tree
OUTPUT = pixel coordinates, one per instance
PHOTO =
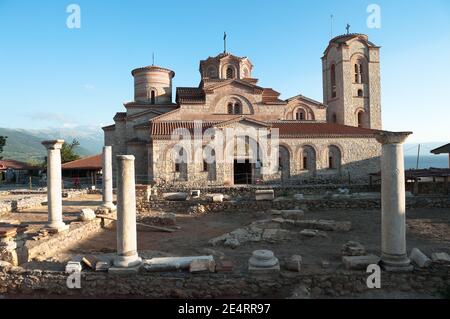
(68, 152)
(2, 144)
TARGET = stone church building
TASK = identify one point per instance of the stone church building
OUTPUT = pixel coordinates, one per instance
(329, 141)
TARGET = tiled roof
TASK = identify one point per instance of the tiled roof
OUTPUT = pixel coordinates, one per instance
(16, 165)
(190, 95)
(152, 68)
(120, 116)
(297, 128)
(87, 163)
(165, 128)
(109, 127)
(271, 96)
(442, 150)
(287, 129)
(302, 97)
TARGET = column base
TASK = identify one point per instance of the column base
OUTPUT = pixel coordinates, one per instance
(396, 263)
(57, 227)
(110, 207)
(127, 261)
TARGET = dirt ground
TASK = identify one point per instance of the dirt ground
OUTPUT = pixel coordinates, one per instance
(427, 229)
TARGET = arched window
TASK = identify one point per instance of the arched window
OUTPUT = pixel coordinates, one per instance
(360, 118)
(237, 108)
(360, 93)
(333, 80)
(308, 162)
(230, 73)
(334, 157)
(300, 115)
(359, 71)
(230, 108)
(152, 97)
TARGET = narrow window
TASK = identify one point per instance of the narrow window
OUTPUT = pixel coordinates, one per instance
(333, 81)
(360, 93)
(237, 108)
(230, 73)
(305, 162)
(177, 167)
(152, 97)
(205, 166)
(230, 108)
(330, 162)
(361, 74)
(360, 119)
(334, 119)
(356, 73)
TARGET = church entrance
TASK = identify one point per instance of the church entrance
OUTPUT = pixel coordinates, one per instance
(242, 172)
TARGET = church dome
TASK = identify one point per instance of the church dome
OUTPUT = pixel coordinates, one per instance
(153, 84)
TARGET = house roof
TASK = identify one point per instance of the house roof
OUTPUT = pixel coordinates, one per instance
(16, 165)
(87, 163)
(190, 95)
(314, 129)
(442, 150)
(287, 129)
(307, 99)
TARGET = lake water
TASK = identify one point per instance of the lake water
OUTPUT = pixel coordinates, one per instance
(427, 161)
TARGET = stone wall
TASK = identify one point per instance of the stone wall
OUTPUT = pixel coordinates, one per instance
(16, 280)
(16, 205)
(46, 247)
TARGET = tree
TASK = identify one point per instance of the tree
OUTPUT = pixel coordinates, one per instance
(2, 144)
(68, 152)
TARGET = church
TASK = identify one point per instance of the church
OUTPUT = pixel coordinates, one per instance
(317, 142)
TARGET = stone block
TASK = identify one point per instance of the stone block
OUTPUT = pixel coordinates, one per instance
(202, 266)
(217, 198)
(293, 214)
(294, 263)
(232, 243)
(262, 195)
(440, 258)
(130, 271)
(353, 248)
(102, 266)
(87, 214)
(359, 262)
(195, 193)
(224, 266)
(179, 196)
(419, 258)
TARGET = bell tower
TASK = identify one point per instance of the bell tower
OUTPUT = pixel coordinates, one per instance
(351, 81)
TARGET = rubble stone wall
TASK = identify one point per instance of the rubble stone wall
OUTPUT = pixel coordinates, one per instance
(16, 280)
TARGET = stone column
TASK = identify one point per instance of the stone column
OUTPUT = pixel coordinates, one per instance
(127, 256)
(393, 202)
(107, 179)
(54, 189)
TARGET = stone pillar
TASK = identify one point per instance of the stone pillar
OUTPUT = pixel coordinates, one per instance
(107, 179)
(393, 202)
(127, 256)
(54, 189)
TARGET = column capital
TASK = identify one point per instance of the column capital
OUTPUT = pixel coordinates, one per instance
(53, 144)
(125, 157)
(385, 137)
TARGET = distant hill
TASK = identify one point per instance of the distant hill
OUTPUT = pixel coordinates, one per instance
(25, 145)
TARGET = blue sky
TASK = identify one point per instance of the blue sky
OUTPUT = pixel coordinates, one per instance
(53, 76)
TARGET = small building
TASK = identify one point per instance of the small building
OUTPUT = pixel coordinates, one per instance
(12, 171)
(443, 150)
(84, 171)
